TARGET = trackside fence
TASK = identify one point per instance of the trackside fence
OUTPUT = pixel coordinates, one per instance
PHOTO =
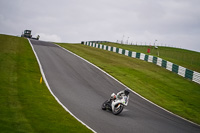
(182, 71)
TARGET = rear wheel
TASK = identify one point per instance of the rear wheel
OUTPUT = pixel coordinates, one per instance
(103, 107)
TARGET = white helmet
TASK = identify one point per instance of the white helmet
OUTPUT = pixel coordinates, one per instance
(113, 96)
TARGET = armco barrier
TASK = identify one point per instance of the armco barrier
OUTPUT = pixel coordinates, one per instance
(182, 71)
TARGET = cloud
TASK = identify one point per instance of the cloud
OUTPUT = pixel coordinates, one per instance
(171, 22)
(46, 37)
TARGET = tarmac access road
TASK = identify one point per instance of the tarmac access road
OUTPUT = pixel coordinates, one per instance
(82, 88)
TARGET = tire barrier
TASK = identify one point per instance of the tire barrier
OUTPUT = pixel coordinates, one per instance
(182, 71)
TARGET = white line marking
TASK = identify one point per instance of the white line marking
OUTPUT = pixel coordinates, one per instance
(47, 84)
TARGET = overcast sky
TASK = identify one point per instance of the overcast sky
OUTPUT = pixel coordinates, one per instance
(170, 22)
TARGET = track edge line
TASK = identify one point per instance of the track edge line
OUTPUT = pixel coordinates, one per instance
(47, 84)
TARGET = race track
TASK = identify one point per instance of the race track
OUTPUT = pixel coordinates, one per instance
(82, 88)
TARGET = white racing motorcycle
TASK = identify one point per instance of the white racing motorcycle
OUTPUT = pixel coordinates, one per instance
(117, 104)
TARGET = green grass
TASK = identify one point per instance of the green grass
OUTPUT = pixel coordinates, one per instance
(155, 83)
(182, 57)
(25, 104)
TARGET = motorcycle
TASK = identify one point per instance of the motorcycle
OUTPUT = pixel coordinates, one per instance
(116, 106)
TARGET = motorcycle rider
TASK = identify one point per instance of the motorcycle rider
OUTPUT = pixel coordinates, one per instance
(119, 94)
(122, 95)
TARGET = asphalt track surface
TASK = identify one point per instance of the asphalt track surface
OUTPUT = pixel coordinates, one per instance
(82, 88)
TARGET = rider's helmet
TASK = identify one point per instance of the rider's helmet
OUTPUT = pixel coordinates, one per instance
(113, 96)
(126, 92)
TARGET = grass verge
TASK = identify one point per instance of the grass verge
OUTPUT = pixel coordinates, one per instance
(25, 104)
(155, 83)
(182, 57)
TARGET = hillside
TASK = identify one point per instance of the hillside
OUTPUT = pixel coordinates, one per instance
(25, 104)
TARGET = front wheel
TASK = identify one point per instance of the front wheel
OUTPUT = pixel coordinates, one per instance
(118, 109)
